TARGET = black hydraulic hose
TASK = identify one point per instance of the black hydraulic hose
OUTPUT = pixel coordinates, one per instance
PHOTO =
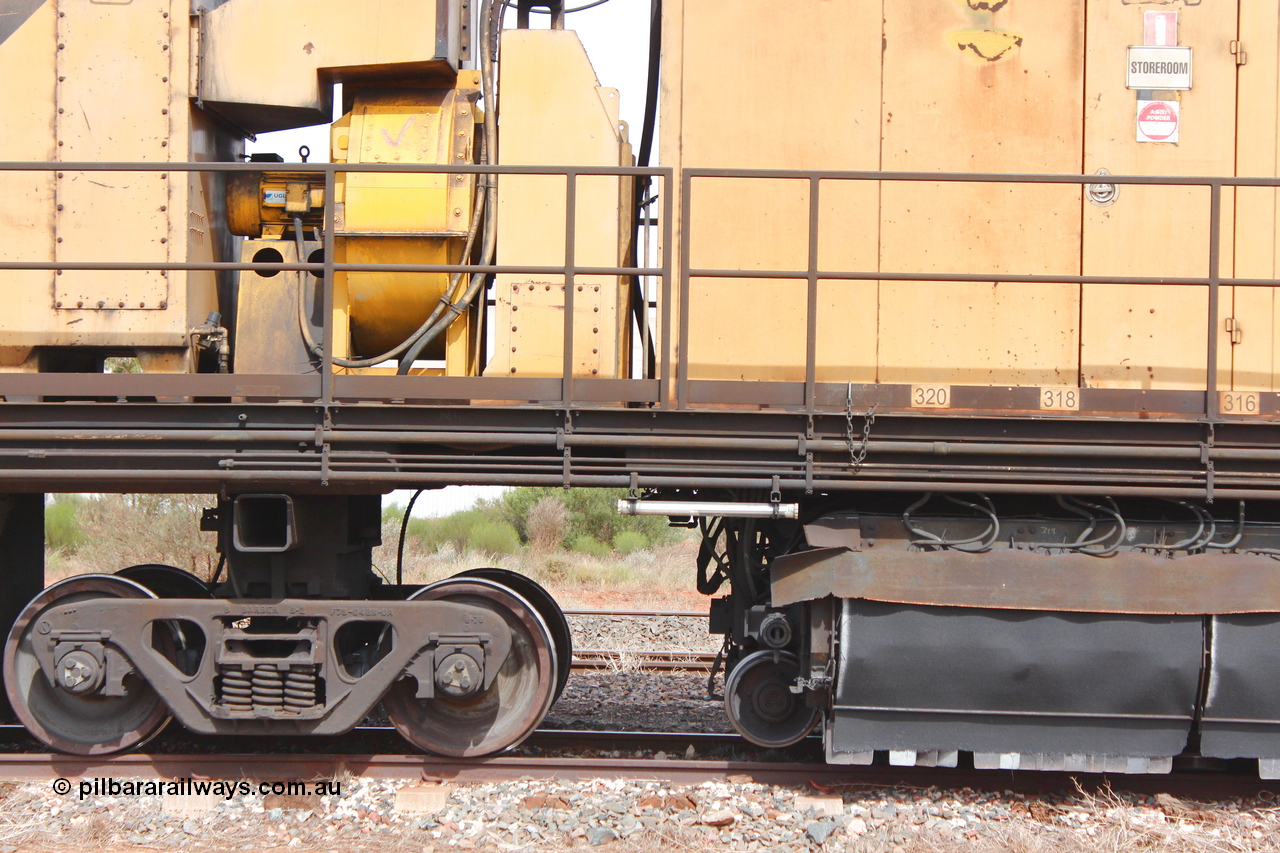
(404, 528)
(639, 304)
(222, 564)
(651, 88)
(314, 348)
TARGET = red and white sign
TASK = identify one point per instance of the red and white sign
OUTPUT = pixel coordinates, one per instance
(1158, 121)
(1160, 29)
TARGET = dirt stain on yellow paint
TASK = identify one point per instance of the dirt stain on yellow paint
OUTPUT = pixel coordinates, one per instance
(985, 45)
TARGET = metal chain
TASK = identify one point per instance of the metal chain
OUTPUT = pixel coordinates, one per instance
(858, 455)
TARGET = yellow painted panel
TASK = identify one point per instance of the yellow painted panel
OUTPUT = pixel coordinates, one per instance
(977, 333)
(966, 89)
(748, 99)
(1253, 359)
(283, 54)
(554, 112)
(26, 215)
(94, 69)
(1145, 337)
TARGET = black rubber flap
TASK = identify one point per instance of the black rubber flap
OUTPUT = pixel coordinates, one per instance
(923, 678)
(1242, 706)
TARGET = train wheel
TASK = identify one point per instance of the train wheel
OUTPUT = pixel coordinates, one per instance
(184, 644)
(761, 706)
(166, 581)
(542, 601)
(510, 709)
(69, 722)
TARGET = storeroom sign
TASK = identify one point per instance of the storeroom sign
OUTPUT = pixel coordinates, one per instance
(1159, 68)
(1158, 121)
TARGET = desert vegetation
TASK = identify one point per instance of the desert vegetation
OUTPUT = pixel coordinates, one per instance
(569, 540)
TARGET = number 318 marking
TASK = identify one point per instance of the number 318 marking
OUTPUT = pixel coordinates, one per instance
(1239, 403)
(1067, 399)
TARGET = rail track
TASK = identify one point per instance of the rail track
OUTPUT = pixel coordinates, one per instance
(1217, 781)
(626, 659)
(571, 754)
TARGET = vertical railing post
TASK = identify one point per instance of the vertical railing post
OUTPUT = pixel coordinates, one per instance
(668, 231)
(811, 301)
(327, 288)
(682, 337)
(1215, 281)
(570, 269)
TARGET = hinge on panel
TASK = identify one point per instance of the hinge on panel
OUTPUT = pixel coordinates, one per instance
(1233, 327)
(1238, 51)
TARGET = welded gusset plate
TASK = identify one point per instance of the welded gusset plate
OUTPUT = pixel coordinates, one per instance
(1242, 697)
(994, 681)
(1127, 583)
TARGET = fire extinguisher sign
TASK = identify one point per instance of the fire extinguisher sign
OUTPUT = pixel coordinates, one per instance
(1158, 121)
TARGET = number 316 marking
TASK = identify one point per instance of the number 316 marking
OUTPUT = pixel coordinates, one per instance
(1239, 403)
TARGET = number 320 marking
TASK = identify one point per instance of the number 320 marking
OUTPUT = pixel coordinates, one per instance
(930, 396)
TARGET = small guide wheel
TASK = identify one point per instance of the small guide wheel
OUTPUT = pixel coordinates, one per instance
(80, 723)
(166, 581)
(760, 704)
(496, 718)
(182, 642)
(542, 601)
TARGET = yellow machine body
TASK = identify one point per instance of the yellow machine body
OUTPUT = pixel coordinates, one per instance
(154, 83)
(106, 82)
(940, 85)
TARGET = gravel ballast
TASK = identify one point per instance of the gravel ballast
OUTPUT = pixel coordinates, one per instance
(527, 815)
(629, 815)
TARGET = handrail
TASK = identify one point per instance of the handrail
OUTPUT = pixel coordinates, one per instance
(669, 386)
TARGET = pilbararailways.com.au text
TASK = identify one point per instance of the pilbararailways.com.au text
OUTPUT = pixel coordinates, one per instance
(187, 787)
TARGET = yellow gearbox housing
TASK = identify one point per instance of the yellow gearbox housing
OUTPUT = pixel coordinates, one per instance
(405, 218)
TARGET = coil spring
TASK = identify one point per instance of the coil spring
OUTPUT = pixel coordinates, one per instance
(300, 687)
(237, 690)
(268, 686)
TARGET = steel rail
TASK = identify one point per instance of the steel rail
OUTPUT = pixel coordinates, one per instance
(610, 659)
(682, 614)
(1227, 782)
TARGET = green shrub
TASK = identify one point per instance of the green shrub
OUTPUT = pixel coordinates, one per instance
(62, 526)
(586, 545)
(392, 514)
(629, 541)
(546, 525)
(592, 513)
(493, 537)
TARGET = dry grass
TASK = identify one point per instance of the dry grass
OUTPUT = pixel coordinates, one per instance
(571, 576)
(127, 530)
